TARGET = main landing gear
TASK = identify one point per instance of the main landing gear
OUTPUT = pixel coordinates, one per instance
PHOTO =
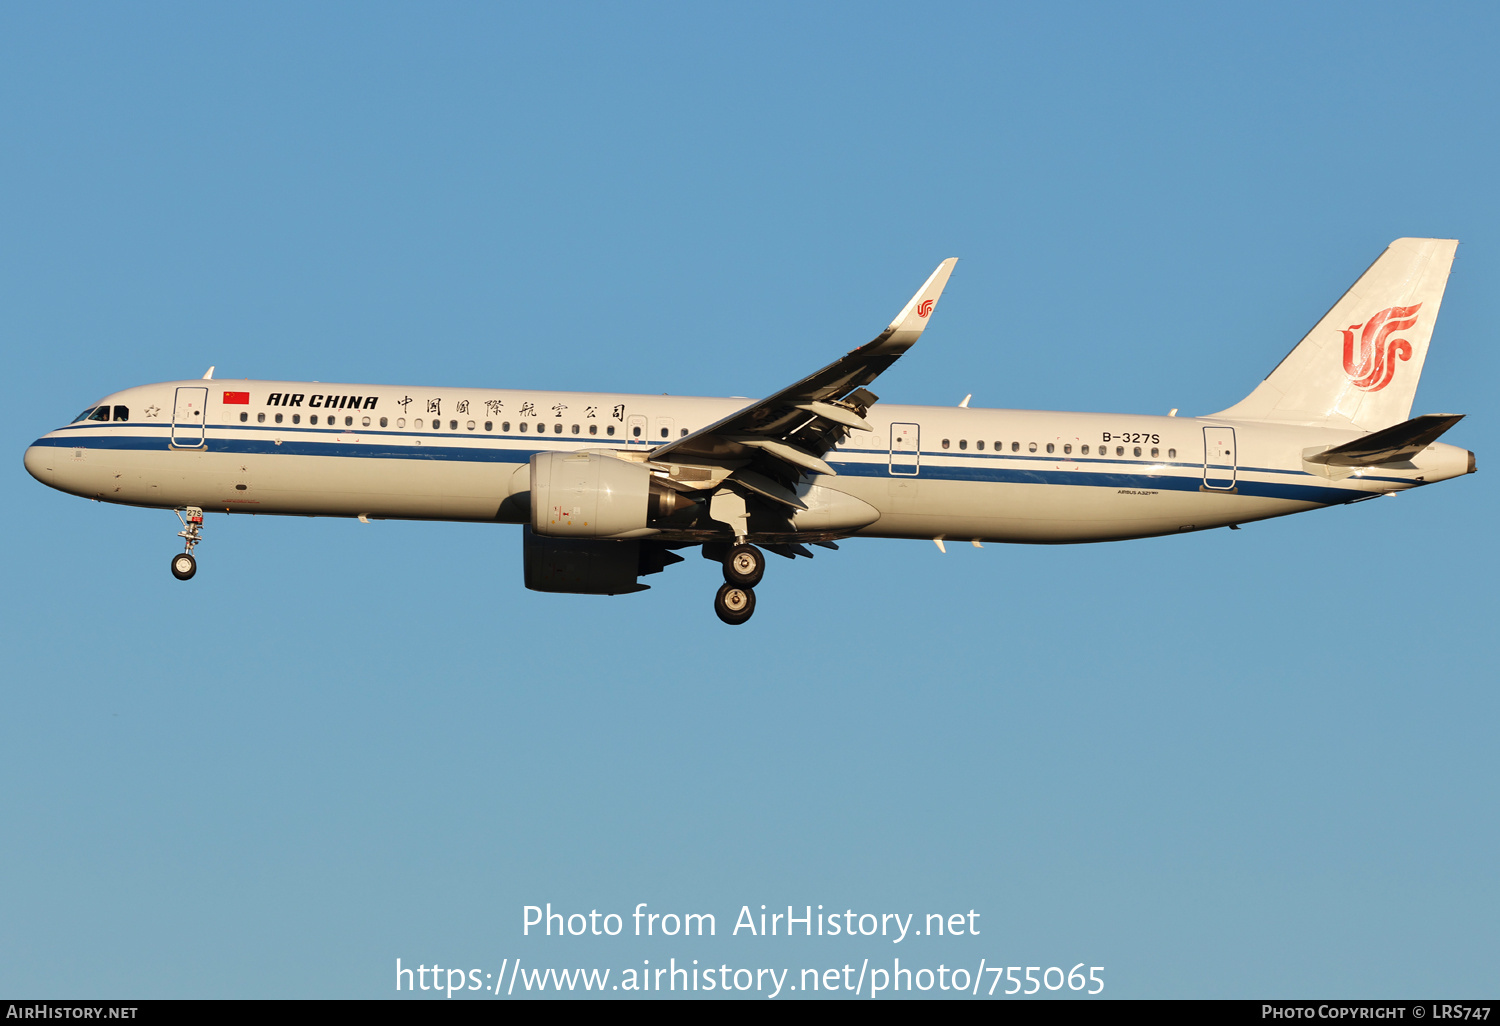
(744, 566)
(184, 566)
(734, 603)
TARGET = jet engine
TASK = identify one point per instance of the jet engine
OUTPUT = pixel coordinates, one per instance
(593, 495)
(584, 566)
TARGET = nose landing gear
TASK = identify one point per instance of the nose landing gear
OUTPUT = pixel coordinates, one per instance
(744, 566)
(184, 566)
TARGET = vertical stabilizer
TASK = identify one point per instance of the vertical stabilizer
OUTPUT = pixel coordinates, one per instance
(1360, 366)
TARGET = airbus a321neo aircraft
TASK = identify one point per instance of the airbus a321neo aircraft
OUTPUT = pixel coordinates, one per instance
(611, 487)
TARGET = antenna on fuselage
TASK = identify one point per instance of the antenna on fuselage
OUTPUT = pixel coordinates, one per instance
(209, 375)
(965, 404)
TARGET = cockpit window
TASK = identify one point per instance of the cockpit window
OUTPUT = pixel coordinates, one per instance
(102, 413)
(122, 413)
(92, 413)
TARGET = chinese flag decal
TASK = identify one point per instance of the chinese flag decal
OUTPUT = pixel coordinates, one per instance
(237, 398)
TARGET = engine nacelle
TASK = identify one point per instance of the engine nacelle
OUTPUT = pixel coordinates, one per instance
(593, 495)
(580, 566)
(585, 566)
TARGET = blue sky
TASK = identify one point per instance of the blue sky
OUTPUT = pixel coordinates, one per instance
(1230, 764)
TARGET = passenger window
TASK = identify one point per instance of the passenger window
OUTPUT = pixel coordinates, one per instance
(1155, 452)
(664, 432)
(453, 425)
(505, 426)
(610, 430)
(297, 418)
(523, 427)
(963, 443)
(278, 418)
(1031, 447)
(575, 429)
(1067, 449)
(636, 431)
(260, 418)
(1119, 450)
(979, 445)
(385, 421)
(557, 429)
(364, 422)
(244, 417)
(401, 422)
(1083, 449)
(314, 419)
(945, 443)
(1138, 451)
(1015, 446)
(489, 425)
(593, 429)
(349, 421)
(682, 433)
(1171, 454)
(469, 425)
(123, 413)
(1049, 447)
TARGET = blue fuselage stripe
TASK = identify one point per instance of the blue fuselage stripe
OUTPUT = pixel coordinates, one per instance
(1016, 469)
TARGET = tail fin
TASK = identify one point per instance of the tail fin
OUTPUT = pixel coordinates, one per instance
(1359, 367)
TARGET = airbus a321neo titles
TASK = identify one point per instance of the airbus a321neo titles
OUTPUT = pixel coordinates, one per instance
(610, 488)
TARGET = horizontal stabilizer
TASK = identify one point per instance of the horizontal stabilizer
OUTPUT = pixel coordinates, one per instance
(1389, 445)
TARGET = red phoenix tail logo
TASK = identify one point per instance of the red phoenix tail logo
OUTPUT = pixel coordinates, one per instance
(924, 308)
(1373, 365)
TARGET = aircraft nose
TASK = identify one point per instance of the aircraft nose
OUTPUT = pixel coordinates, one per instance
(39, 463)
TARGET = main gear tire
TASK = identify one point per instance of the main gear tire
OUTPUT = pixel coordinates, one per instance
(734, 604)
(744, 566)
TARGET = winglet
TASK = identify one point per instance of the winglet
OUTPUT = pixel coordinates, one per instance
(908, 325)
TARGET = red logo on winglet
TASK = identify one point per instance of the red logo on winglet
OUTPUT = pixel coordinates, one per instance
(1373, 366)
(924, 308)
(237, 398)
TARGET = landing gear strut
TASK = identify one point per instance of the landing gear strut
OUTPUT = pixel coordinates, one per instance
(184, 566)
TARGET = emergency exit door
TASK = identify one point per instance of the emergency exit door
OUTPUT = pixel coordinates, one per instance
(1219, 461)
(189, 410)
(906, 451)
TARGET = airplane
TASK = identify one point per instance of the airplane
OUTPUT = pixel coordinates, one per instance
(609, 488)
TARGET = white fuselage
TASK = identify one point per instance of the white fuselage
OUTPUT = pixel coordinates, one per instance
(931, 472)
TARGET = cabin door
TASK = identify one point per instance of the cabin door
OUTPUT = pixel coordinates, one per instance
(1219, 461)
(188, 414)
(906, 452)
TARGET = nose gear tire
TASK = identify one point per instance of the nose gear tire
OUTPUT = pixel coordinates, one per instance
(734, 603)
(184, 566)
(744, 566)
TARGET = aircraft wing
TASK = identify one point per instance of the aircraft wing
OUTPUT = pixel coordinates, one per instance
(786, 434)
